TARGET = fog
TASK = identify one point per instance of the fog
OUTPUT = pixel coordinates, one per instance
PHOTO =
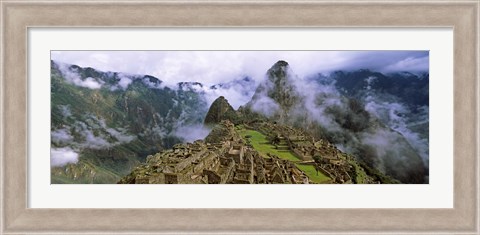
(222, 73)
(214, 67)
(325, 111)
(71, 75)
(62, 156)
(190, 133)
(91, 132)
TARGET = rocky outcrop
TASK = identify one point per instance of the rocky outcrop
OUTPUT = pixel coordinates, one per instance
(324, 112)
(278, 87)
(220, 110)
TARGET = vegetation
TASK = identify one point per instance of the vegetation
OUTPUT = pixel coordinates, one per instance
(147, 114)
(260, 143)
(141, 112)
(221, 110)
(263, 146)
(313, 174)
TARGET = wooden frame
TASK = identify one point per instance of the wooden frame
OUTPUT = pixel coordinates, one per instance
(18, 15)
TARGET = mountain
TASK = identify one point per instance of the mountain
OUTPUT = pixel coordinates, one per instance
(409, 88)
(108, 122)
(347, 127)
(245, 85)
(220, 110)
(400, 100)
(321, 109)
(277, 95)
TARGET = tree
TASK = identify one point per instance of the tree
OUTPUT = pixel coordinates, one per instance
(318, 160)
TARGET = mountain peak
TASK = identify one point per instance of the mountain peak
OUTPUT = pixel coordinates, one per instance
(279, 70)
(281, 63)
(220, 110)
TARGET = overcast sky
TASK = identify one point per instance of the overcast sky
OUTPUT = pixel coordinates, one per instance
(213, 67)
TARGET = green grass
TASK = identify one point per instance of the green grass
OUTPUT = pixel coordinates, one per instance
(312, 173)
(262, 145)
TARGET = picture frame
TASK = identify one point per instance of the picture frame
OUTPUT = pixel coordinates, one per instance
(18, 16)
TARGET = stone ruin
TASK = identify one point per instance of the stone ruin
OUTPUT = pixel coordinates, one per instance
(228, 161)
(332, 161)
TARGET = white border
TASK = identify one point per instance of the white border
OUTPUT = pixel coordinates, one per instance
(437, 194)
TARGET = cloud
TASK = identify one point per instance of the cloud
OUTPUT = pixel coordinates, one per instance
(238, 92)
(88, 83)
(222, 67)
(191, 133)
(62, 156)
(61, 136)
(155, 84)
(410, 64)
(73, 77)
(398, 117)
(213, 67)
(326, 112)
(91, 133)
(65, 110)
(323, 102)
(120, 135)
(266, 106)
(124, 81)
(94, 141)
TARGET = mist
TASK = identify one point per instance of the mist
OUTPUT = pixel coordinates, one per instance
(93, 133)
(62, 156)
(377, 129)
(191, 133)
(215, 67)
(71, 76)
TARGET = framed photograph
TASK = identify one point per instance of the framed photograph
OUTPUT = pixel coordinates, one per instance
(307, 117)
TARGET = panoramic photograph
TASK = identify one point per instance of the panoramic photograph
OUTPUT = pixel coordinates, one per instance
(239, 117)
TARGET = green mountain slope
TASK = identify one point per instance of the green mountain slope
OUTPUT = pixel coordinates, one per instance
(324, 112)
(112, 126)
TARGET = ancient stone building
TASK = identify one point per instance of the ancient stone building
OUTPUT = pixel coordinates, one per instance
(224, 162)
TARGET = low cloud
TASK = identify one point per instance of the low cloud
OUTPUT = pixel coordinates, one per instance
(323, 103)
(238, 91)
(72, 76)
(266, 106)
(324, 111)
(120, 135)
(94, 141)
(65, 110)
(92, 133)
(61, 136)
(155, 84)
(124, 82)
(62, 156)
(214, 67)
(410, 64)
(398, 117)
(192, 132)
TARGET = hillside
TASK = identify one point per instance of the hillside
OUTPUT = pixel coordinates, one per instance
(319, 108)
(347, 127)
(109, 122)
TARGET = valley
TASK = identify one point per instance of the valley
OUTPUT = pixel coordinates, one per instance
(350, 127)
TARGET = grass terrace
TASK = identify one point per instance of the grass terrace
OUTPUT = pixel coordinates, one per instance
(260, 143)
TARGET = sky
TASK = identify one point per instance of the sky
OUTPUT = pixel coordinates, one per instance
(213, 67)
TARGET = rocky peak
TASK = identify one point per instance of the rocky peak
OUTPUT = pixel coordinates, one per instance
(278, 72)
(220, 110)
(278, 87)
